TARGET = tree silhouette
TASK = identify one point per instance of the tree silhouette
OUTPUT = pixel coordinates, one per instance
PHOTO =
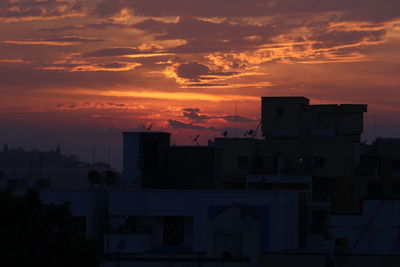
(111, 177)
(34, 234)
(94, 178)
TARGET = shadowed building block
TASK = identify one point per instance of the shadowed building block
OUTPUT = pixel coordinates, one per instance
(144, 157)
(295, 118)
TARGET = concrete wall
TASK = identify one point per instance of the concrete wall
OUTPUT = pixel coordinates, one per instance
(283, 210)
(139, 164)
(90, 204)
(320, 260)
(375, 231)
(283, 116)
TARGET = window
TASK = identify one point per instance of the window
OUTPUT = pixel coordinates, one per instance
(279, 111)
(174, 230)
(258, 164)
(396, 189)
(396, 165)
(243, 162)
(79, 224)
(131, 224)
(318, 221)
(319, 162)
(150, 156)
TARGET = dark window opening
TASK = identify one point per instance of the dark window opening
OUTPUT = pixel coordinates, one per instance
(79, 224)
(150, 156)
(258, 164)
(319, 162)
(396, 189)
(131, 224)
(396, 165)
(318, 221)
(279, 111)
(174, 230)
(375, 191)
(243, 162)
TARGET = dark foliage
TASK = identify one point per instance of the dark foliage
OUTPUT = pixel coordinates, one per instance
(94, 177)
(111, 177)
(34, 234)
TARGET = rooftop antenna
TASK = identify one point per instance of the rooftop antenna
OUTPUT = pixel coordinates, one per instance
(375, 126)
(225, 133)
(249, 133)
(236, 120)
(196, 140)
(108, 155)
(256, 131)
(93, 153)
(148, 129)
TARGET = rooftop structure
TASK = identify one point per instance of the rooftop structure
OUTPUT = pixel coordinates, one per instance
(295, 118)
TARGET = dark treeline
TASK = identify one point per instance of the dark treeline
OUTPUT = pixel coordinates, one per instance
(35, 234)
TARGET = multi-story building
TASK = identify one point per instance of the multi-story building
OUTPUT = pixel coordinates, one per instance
(308, 192)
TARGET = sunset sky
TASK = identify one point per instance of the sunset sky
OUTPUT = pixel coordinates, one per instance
(77, 73)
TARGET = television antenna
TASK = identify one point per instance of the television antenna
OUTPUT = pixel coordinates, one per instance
(148, 129)
(195, 140)
(249, 133)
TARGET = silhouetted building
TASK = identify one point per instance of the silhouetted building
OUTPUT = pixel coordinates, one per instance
(294, 118)
(144, 157)
(194, 167)
(306, 193)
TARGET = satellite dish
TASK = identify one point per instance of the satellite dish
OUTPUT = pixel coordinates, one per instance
(225, 133)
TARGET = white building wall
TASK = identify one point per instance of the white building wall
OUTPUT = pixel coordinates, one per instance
(375, 231)
(131, 152)
(283, 206)
(90, 204)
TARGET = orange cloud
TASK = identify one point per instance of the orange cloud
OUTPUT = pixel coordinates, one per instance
(114, 66)
(179, 96)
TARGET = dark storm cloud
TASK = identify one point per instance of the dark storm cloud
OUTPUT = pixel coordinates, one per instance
(101, 25)
(206, 36)
(192, 70)
(74, 39)
(335, 38)
(194, 28)
(62, 29)
(116, 52)
(106, 24)
(207, 84)
(351, 10)
(195, 70)
(181, 125)
(203, 36)
(89, 105)
(31, 9)
(194, 115)
(55, 41)
(34, 79)
(236, 118)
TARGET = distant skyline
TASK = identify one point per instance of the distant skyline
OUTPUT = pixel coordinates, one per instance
(78, 73)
